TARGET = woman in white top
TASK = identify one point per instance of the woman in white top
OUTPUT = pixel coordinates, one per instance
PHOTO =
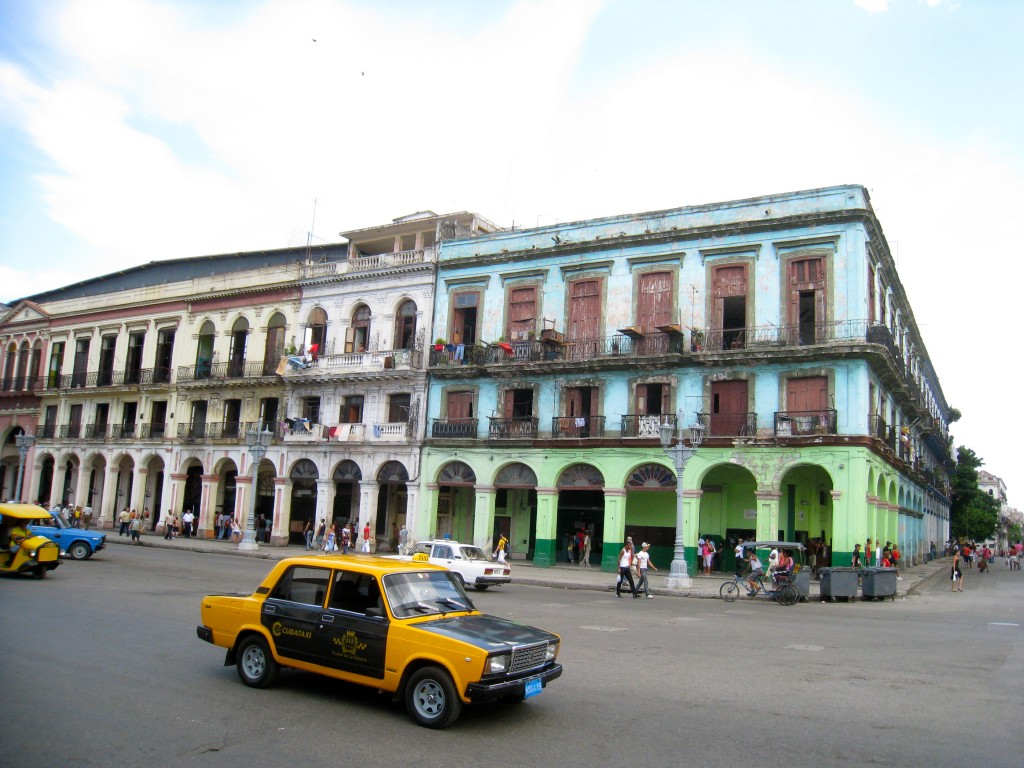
(625, 562)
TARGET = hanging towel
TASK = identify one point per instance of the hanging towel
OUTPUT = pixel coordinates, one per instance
(581, 421)
(460, 352)
(342, 431)
(376, 430)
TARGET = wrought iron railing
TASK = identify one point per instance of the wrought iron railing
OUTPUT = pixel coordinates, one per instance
(46, 431)
(797, 423)
(728, 424)
(153, 431)
(21, 384)
(95, 432)
(453, 428)
(580, 427)
(72, 431)
(107, 378)
(515, 428)
(224, 430)
(192, 432)
(647, 426)
(252, 369)
(123, 431)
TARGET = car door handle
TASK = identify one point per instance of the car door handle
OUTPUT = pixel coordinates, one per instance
(327, 619)
(270, 609)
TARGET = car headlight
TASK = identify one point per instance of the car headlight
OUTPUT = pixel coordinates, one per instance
(32, 553)
(498, 665)
(551, 652)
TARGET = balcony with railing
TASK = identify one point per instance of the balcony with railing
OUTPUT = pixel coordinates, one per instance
(16, 385)
(577, 427)
(218, 372)
(741, 424)
(153, 431)
(620, 346)
(98, 379)
(69, 431)
(646, 426)
(95, 432)
(882, 431)
(357, 362)
(123, 431)
(518, 428)
(369, 263)
(228, 431)
(453, 428)
(803, 423)
(46, 432)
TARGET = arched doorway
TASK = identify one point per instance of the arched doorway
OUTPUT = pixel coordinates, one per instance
(456, 502)
(728, 512)
(45, 481)
(805, 506)
(651, 509)
(392, 498)
(515, 508)
(304, 476)
(580, 505)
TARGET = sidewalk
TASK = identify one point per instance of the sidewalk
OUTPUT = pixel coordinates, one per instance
(562, 576)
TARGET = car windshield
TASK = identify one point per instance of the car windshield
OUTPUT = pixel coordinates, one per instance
(421, 593)
(54, 521)
(474, 553)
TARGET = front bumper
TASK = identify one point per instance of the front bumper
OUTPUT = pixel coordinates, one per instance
(499, 689)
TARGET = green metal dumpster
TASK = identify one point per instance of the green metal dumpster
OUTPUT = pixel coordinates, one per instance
(878, 583)
(838, 582)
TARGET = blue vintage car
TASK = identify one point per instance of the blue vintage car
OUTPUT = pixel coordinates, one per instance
(76, 543)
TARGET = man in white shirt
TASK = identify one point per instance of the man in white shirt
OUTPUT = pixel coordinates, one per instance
(756, 572)
(643, 562)
(739, 557)
(186, 520)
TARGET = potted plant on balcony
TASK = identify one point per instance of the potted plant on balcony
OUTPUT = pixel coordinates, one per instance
(439, 344)
(697, 339)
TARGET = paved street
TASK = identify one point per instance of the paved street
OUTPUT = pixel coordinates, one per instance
(102, 667)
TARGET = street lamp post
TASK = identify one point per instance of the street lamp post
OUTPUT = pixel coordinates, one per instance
(24, 443)
(678, 577)
(257, 442)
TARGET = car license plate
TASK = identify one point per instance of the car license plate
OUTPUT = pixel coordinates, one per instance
(533, 687)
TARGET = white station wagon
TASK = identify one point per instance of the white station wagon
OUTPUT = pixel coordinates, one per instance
(470, 564)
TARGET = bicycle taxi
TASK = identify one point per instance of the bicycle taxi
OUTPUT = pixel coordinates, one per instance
(784, 587)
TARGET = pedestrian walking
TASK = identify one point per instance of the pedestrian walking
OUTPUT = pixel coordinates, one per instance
(741, 560)
(956, 575)
(586, 548)
(366, 537)
(123, 519)
(135, 527)
(643, 562)
(625, 572)
(403, 539)
(321, 531)
(307, 533)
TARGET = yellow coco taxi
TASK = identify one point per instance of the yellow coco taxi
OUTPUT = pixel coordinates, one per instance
(22, 551)
(407, 628)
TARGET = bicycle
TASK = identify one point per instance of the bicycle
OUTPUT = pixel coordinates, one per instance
(781, 591)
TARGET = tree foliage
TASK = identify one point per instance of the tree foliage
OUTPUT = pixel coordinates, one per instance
(973, 514)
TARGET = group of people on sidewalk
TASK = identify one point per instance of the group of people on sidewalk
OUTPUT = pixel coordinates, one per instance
(630, 560)
(330, 539)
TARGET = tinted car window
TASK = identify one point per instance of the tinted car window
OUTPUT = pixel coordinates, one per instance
(443, 552)
(355, 592)
(303, 584)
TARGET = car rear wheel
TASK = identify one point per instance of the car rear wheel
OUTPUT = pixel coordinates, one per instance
(79, 550)
(255, 663)
(431, 699)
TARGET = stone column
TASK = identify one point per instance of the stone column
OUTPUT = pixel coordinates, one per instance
(691, 527)
(369, 492)
(282, 511)
(614, 528)
(545, 552)
(483, 518)
(204, 523)
(424, 526)
(139, 477)
(767, 514)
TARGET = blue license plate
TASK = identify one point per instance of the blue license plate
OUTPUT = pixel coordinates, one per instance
(533, 687)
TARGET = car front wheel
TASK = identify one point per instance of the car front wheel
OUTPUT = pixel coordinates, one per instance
(255, 663)
(79, 550)
(431, 699)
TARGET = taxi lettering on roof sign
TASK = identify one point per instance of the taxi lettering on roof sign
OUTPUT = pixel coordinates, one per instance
(399, 626)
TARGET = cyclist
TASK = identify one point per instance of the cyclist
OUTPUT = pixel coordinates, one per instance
(755, 570)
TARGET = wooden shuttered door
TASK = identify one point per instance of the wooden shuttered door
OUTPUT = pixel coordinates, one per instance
(807, 395)
(728, 407)
(522, 312)
(728, 282)
(654, 301)
(807, 299)
(653, 399)
(584, 319)
(460, 405)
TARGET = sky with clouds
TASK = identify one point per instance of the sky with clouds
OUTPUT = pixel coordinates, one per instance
(137, 130)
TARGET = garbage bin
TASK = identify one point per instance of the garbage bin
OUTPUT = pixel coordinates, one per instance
(878, 583)
(802, 582)
(838, 582)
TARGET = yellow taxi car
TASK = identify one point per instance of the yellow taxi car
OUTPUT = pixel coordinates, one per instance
(22, 551)
(407, 628)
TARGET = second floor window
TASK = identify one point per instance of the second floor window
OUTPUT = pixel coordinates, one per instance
(352, 410)
(311, 409)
